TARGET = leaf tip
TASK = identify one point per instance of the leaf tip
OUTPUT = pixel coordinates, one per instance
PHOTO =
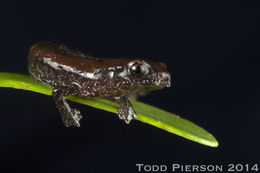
(213, 142)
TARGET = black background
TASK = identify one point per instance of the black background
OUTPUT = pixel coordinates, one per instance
(210, 49)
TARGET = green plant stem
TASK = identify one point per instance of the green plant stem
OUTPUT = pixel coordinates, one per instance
(145, 113)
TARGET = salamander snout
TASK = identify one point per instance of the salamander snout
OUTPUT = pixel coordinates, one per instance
(165, 79)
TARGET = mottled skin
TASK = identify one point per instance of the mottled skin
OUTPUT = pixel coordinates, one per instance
(70, 72)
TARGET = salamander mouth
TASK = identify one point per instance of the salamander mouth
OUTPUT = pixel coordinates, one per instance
(165, 83)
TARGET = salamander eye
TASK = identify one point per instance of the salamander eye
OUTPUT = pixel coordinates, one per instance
(139, 68)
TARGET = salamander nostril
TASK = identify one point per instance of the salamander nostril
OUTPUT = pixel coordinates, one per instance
(166, 77)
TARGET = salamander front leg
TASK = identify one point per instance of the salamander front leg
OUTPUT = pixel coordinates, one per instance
(125, 111)
(70, 117)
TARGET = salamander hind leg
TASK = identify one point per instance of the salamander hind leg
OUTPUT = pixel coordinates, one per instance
(70, 116)
(125, 111)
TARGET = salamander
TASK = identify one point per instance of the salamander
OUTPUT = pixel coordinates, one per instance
(70, 72)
